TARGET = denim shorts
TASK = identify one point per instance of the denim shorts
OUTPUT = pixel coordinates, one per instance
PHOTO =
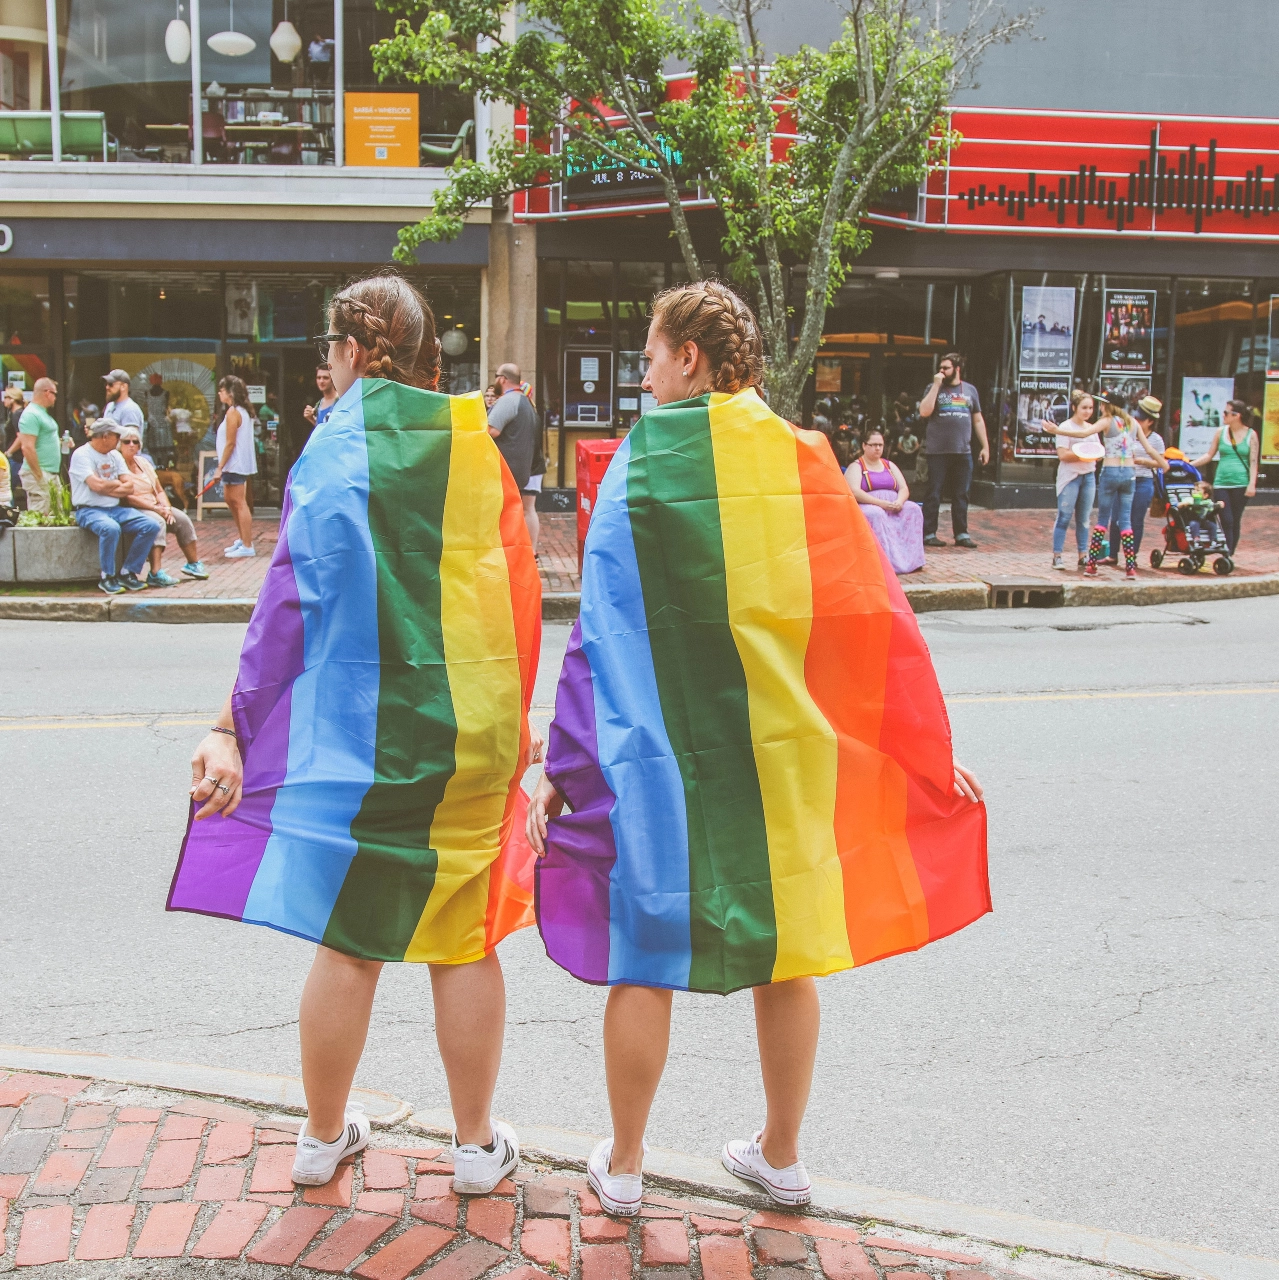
(233, 477)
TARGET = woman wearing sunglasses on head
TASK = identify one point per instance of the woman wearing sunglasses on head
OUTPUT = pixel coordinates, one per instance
(361, 787)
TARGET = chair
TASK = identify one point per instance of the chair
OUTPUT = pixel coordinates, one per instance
(438, 155)
(30, 134)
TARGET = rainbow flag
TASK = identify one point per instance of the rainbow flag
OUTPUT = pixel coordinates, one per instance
(748, 730)
(382, 697)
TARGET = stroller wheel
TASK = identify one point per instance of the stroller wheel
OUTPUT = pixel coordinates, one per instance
(1222, 565)
(1156, 559)
(1186, 565)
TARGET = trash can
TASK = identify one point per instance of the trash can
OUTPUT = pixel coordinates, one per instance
(593, 457)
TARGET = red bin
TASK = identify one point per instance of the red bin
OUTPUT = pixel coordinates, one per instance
(593, 457)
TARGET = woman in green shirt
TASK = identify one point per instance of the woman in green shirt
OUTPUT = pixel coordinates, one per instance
(1238, 451)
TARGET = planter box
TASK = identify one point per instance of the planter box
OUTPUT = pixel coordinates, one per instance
(50, 555)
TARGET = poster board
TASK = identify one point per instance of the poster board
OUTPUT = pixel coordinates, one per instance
(1043, 403)
(1128, 334)
(1270, 424)
(214, 499)
(382, 130)
(1047, 329)
(1127, 390)
(1202, 401)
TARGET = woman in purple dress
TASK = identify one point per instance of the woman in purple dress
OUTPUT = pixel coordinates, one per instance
(881, 489)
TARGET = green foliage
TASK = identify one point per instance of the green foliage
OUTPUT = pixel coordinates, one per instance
(59, 514)
(794, 150)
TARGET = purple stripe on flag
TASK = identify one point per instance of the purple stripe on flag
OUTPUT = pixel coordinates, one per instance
(573, 878)
(220, 856)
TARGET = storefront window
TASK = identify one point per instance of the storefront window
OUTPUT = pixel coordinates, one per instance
(24, 330)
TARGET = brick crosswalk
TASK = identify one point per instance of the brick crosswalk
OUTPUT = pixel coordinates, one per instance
(93, 1171)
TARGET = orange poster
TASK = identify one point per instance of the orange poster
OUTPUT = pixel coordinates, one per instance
(382, 129)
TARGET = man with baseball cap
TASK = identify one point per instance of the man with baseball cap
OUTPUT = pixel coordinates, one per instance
(99, 479)
(121, 409)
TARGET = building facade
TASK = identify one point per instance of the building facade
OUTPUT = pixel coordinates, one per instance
(1111, 218)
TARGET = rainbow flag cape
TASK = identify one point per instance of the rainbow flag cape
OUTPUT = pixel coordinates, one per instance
(748, 730)
(382, 697)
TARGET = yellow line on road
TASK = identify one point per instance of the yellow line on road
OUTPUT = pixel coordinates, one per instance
(1103, 695)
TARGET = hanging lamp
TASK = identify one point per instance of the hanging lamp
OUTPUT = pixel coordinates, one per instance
(232, 43)
(177, 39)
(285, 42)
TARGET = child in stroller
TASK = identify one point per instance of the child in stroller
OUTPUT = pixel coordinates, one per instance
(1193, 526)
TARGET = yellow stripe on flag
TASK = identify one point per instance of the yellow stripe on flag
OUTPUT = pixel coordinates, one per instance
(770, 611)
(484, 681)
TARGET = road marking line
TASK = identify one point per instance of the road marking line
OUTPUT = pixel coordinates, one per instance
(158, 722)
(1119, 693)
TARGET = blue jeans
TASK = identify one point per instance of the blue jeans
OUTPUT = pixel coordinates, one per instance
(953, 470)
(1114, 498)
(108, 523)
(1142, 494)
(1075, 499)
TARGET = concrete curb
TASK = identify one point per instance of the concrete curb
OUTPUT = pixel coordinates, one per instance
(1068, 1240)
(282, 1092)
(562, 606)
(688, 1174)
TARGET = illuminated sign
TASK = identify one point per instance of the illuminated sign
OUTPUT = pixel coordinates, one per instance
(605, 179)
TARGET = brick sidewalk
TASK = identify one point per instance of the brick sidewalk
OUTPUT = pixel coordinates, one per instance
(1010, 544)
(93, 1172)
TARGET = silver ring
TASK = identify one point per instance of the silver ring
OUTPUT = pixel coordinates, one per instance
(206, 778)
(226, 791)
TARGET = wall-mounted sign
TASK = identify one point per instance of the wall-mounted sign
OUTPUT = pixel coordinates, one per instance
(382, 129)
(1043, 404)
(257, 395)
(1128, 336)
(588, 387)
(1047, 329)
(6, 237)
(603, 178)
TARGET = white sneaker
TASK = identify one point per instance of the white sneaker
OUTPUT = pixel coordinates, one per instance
(239, 552)
(477, 1171)
(236, 543)
(316, 1162)
(619, 1193)
(784, 1186)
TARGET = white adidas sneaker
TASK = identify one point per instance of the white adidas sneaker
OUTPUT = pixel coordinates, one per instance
(477, 1171)
(619, 1193)
(316, 1162)
(783, 1186)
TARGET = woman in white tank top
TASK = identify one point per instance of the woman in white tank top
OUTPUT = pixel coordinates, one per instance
(236, 461)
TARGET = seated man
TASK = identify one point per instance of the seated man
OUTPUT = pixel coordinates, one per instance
(99, 479)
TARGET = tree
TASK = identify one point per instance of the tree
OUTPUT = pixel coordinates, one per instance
(794, 150)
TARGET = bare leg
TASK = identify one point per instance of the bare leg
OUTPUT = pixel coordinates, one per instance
(333, 1024)
(637, 1034)
(191, 550)
(240, 512)
(531, 519)
(470, 1019)
(156, 554)
(787, 1019)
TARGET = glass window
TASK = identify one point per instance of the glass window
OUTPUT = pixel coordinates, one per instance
(24, 310)
(24, 84)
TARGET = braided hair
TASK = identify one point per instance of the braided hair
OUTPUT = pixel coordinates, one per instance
(391, 320)
(721, 324)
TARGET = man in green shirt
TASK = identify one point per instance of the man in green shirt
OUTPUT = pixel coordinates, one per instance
(41, 450)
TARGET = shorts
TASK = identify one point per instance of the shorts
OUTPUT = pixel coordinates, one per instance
(234, 477)
(534, 485)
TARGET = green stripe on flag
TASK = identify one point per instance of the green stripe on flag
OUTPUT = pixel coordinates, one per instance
(674, 511)
(409, 435)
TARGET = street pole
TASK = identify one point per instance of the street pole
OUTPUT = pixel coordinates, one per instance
(55, 90)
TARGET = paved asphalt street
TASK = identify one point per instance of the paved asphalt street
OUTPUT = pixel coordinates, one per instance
(1101, 1049)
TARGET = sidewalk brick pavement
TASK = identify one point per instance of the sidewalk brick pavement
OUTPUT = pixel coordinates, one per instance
(95, 1171)
(1010, 544)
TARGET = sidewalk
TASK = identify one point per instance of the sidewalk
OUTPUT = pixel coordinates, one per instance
(96, 1172)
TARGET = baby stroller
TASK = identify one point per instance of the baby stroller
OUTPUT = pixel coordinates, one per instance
(1194, 545)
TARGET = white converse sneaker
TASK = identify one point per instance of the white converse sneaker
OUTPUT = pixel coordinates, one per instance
(619, 1193)
(316, 1162)
(784, 1186)
(239, 553)
(477, 1171)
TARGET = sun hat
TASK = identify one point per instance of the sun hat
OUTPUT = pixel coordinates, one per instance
(1149, 407)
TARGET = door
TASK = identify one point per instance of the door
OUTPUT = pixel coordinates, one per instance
(261, 371)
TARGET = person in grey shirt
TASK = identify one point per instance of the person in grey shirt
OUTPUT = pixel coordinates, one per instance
(513, 424)
(121, 409)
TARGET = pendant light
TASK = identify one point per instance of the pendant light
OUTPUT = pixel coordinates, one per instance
(177, 39)
(454, 342)
(285, 42)
(232, 43)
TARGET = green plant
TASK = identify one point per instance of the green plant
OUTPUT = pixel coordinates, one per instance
(59, 515)
(793, 150)
(1016, 1251)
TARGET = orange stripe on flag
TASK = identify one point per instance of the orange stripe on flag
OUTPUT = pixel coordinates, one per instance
(847, 668)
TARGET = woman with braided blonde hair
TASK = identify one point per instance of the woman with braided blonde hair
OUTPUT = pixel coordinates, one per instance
(361, 788)
(750, 780)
